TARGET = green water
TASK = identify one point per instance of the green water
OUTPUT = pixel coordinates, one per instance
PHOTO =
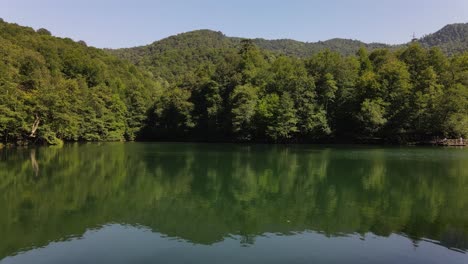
(207, 203)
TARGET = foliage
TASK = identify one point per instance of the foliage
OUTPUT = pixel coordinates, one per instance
(202, 85)
(71, 92)
(451, 39)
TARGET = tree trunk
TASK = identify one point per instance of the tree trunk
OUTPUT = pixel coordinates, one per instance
(34, 163)
(35, 126)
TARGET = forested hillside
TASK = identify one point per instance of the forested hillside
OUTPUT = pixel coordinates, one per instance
(55, 89)
(451, 39)
(256, 95)
(173, 57)
(178, 54)
(204, 86)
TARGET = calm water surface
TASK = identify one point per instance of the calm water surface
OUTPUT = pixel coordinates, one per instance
(202, 203)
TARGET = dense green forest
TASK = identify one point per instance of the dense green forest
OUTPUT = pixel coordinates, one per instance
(451, 39)
(204, 86)
(55, 89)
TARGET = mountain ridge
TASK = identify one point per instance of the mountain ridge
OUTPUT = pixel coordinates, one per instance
(452, 38)
(184, 52)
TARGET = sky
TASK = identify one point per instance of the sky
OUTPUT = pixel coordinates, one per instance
(118, 23)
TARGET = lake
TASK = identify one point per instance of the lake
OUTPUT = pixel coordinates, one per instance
(226, 203)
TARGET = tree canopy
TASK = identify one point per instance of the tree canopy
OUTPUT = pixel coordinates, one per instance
(55, 89)
(201, 86)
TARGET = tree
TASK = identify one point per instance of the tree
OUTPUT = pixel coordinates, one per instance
(252, 63)
(43, 31)
(454, 111)
(426, 102)
(364, 62)
(208, 106)
(243, 103)
(171, 115)
(279, 115)
(327, 89)
(372, 115)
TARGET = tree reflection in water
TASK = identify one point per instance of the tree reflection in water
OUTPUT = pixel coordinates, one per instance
(205, 193)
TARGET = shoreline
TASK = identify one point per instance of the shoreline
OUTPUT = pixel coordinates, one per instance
(263, 143)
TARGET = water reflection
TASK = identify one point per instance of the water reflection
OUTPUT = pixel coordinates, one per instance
(141, 245)
(212, 194)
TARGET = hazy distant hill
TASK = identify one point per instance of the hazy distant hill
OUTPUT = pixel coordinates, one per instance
(182, 52)
(208, 41)
(451, 38)
(305, 49)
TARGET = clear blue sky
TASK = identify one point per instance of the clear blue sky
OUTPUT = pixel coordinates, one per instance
(106, 23)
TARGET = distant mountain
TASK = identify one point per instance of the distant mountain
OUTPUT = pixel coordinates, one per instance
(305, 49)
(207, 40)
(181, 53)
(451, 38)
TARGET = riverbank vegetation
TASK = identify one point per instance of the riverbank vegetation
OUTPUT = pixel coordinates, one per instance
(56, 90)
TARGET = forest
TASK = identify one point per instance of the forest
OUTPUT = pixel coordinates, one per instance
(201, 88)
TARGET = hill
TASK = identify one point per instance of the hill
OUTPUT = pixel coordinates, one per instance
(180, 53)
(205, 40)
(172, 56)
(306, 49)
(451, 39)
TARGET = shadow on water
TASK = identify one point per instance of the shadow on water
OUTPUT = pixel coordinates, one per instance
(206, 194)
